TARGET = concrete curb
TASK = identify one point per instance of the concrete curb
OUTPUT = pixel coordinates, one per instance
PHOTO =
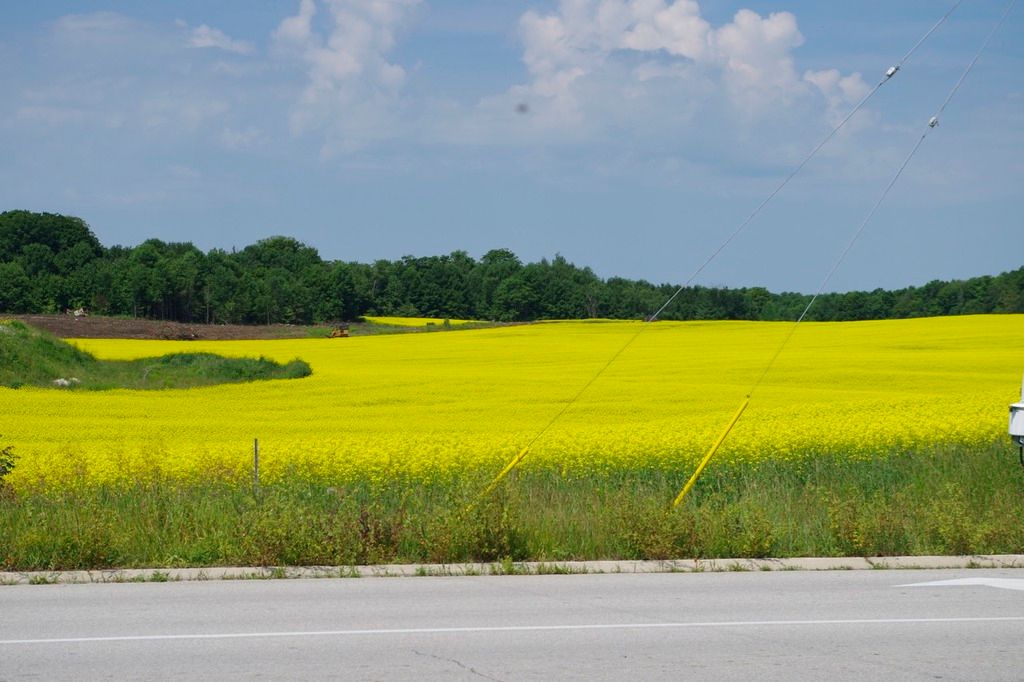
(129, 575)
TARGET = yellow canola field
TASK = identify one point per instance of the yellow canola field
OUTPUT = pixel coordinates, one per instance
(425, 406)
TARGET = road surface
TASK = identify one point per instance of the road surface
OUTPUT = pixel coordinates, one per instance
(907, 625)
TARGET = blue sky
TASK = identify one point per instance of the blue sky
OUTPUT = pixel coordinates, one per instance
(651, 128)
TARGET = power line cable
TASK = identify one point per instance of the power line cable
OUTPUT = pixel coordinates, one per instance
(933, 122)
(890, 72)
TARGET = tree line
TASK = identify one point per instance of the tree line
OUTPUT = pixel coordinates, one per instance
(51, 263)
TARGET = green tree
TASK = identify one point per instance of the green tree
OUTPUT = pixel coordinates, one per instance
(496, 266)
(59, 233)
(15, 289)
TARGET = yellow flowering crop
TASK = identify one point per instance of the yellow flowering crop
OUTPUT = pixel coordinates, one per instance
(426, 406)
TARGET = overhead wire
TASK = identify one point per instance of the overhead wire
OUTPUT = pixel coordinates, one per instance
(890, 72)
(933, 122)
(887, 76)
(931, 125)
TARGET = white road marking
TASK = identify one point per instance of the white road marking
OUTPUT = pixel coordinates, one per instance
(1001, 583)
(514, 628)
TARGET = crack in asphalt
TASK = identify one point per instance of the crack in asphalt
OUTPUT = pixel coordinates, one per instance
(458, 663)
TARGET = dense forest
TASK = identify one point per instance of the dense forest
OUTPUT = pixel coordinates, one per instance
(51, 263)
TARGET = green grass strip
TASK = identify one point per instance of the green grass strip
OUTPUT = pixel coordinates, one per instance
(29, 357)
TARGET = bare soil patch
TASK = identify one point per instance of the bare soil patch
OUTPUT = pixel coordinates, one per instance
(98, 327)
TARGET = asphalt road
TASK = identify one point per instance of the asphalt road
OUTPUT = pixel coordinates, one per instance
(958, 625)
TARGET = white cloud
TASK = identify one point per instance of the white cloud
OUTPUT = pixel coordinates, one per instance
(180, 111)
(205, 36)
(749, 58)
(650, 72)
(840, 92)
(585, 32)
(246, 138)
(637, 76)
(297, 30)
(351, 84)
(105, 72)
(101, 23)
(754, 54)
(677, 28)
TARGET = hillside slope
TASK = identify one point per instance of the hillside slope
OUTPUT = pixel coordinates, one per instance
(30, 357)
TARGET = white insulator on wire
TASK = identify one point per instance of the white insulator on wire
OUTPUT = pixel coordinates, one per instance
(891, 71)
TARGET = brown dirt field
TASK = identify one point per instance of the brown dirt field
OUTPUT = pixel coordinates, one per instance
(95, 327)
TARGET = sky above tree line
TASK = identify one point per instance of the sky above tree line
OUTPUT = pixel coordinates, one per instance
(631, 136)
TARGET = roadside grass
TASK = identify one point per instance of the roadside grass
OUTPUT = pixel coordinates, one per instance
(29, 357)
(946, 500)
